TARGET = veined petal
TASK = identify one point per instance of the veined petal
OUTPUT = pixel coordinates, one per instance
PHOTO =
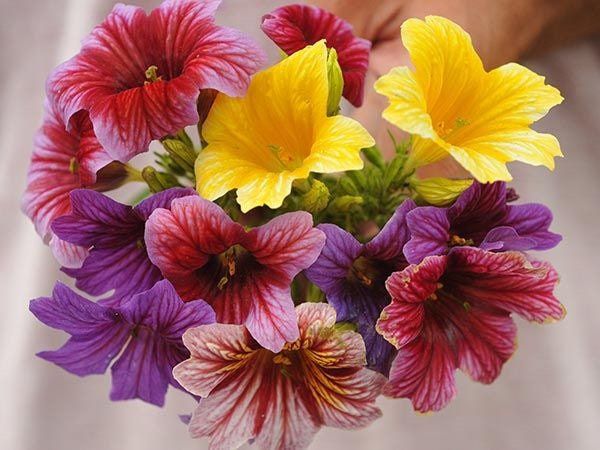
(429, 230)
(424, 371)
(507, 281)
(67, 254)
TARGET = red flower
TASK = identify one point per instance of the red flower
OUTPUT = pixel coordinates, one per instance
(61, 162)
(454, 312)
(278, 400)
(139, 76)
(294, 27)
(244, 275)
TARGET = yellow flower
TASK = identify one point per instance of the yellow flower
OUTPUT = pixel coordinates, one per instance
(439, 191)
(454, 107)
(278, 132)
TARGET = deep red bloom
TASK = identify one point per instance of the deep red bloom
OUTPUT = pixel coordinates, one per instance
(294, 27)
(453, 311)
(139, 75)
(244, 275)
(61, 162)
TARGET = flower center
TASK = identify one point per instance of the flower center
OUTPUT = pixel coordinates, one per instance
(284, 157)
(367, 272)
(457, 241)
(445, 130)
(235, 263)
(152, 75)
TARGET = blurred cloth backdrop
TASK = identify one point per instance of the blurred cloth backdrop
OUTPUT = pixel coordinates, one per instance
(548, 396)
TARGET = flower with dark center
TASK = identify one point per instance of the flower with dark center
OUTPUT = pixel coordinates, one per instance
(244, 275)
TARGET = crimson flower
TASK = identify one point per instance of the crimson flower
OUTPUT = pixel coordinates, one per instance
(293, 27)
(454, 311)
(278, 400)
(139, 75)
(244, 275)
(61, 162)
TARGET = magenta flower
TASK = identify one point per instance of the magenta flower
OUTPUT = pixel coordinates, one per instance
(454, 311)
(144, 333)
(293, 27)
(244, 276)
(139, 76)
(114, 233)
(482, 218)
(352, 276)
(61, 162)
(278, 400)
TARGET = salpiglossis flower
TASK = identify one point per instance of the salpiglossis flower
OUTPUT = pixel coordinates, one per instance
(143, 334)
(64, 160)
(454, 107)
(279, 400)
(140, 75)
(278, 132)
(454, 311)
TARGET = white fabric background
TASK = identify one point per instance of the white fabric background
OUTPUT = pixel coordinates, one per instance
(548, 396)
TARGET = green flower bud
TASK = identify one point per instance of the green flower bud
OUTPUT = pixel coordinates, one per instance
(374, 156)
(158, 181)
(316, 199)
(439, 191)
(182, 154)
(346, 203)
(336, 83)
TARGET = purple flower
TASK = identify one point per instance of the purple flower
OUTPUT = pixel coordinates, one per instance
(115, 235)
(145, 331)
(482, 218)
(352, 276)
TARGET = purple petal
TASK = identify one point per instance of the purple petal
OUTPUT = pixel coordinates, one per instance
(532, 221)
(161, 200)
(96, 220)
(160, 318)
(388, 244)
(506, 239)
(331, 267)
(429, 229)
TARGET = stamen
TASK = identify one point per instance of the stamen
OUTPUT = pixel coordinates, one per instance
(362, 277)
(152, 75)
(456, 241)
(231, 264)
(284, 158)
(73, 165)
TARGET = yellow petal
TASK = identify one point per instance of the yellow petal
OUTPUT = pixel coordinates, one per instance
(408, 106)
(447, 67)
(337, 145)
(440, 191)
(486, 166)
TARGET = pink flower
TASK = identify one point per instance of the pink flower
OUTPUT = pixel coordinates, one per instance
(279, 400)
(61, 162)
(139, 76)
(293, 27)
(454, 311)
(244, 276)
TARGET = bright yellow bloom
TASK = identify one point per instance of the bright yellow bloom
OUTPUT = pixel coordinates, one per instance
(439, 191)
(278, 132)
(453, 106)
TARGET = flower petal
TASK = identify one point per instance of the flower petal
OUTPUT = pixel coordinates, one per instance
(507, 281)
(293, 27)
(390, 241)
(67, 254)
(532, 221)
(424, 371)
(429, 233)
(160, 318)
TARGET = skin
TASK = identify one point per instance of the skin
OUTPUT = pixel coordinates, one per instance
(502, 31)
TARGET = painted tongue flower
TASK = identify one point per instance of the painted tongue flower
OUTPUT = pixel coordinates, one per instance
(453, 107)
(281, 132)
(480, 217)
(139, 76)
(114, 233)
(352, 276)
(293, 27)
(144, 334)
(244, 276)
(61, 162)
(278, 400)
(454, 312)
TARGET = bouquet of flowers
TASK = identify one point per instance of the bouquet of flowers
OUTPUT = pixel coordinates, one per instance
(277, 267)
